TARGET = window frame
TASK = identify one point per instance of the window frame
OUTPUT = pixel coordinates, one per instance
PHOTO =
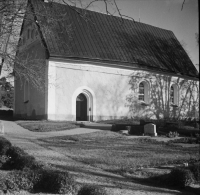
(144, 91)
(174, 95)
(141, 94)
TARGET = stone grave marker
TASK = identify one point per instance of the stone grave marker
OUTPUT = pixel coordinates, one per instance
(150, 129)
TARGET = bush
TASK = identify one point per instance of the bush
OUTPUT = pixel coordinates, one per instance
(56, 182)
(195, 169)
(18, 159)
(172, 134)
(181, 177)
(31, 175)
(22, 180)
(3, 161)
(136, 130)
(40, 180)
(4, 145)
(6, 113)
(92, 190)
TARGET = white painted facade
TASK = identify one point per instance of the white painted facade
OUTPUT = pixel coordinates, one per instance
(108, 91)
(105, 89)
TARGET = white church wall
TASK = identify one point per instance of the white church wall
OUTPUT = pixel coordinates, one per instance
(115, 91)
(110, 87)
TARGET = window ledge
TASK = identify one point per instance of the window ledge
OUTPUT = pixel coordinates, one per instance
(144, 103)
(174, 105)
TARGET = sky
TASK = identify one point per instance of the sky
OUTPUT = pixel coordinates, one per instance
(166, 14)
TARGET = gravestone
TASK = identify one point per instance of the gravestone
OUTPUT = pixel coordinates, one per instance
(150, 129)
(1, 128)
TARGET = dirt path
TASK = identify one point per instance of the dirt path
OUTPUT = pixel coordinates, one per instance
(83, 173)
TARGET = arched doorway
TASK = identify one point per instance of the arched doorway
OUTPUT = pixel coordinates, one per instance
(91, 103)
(81, 108)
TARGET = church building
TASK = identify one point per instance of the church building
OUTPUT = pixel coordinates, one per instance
(97, 67)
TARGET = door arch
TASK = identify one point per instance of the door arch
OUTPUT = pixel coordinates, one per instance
(91, 102)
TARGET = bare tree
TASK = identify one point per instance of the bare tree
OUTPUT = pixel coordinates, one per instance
(11, 16)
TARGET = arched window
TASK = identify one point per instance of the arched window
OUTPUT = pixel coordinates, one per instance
(174, 94)
(143, 93)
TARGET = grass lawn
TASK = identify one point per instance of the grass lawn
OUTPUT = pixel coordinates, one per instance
(114, 152)
(46, 126)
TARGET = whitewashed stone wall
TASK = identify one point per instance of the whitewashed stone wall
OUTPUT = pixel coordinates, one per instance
(115, 92)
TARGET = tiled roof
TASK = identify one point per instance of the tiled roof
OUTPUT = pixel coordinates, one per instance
(90, 35)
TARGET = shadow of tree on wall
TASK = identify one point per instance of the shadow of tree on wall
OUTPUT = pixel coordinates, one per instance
(110, 98)
(167, 55)
(159, 96)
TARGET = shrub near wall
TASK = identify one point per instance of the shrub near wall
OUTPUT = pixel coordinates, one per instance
(134, 130)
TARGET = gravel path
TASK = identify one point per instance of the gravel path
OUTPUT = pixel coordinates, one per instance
(115, 184)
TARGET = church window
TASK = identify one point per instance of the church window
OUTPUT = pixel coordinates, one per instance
(143, 93)
(174, 94)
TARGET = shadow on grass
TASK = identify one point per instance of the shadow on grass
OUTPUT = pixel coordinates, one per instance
(110, 180)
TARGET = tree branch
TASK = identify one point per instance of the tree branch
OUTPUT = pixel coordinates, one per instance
(182, 5)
